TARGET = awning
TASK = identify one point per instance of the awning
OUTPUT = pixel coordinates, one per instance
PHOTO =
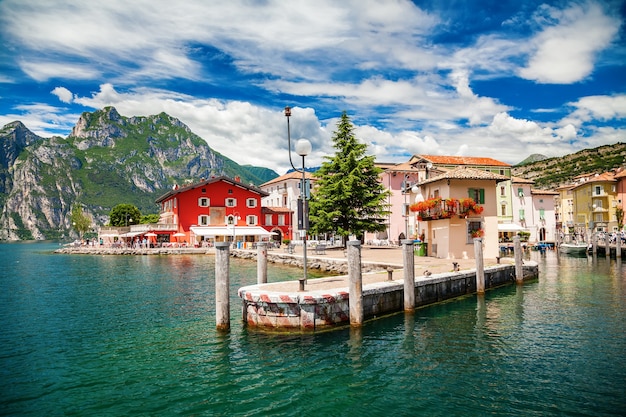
(510, 227)
(228, 231)
(131, 234)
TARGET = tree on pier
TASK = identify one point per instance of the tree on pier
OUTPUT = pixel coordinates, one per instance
(348, 198)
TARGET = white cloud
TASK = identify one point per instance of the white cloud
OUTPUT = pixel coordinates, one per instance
(246, 133)
(565, 52)
(41, 70)
(42, 119)
(63, 94)
(527, 131)
(380, 61)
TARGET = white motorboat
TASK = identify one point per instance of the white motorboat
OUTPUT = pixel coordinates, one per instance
(574, 248)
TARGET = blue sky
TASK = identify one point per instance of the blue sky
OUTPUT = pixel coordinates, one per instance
(502, 79)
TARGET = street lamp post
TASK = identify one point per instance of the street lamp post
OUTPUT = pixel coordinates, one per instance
(235, 220)
(405, 191)
(303, 148)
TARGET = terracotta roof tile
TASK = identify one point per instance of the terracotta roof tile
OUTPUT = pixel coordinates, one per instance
(276, 209)
(543, 192)
(203, 183)
(466, 173)
(520, 180)
(462, 160)
(293, 175)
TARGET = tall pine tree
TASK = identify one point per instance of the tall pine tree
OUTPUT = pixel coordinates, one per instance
(349, 198)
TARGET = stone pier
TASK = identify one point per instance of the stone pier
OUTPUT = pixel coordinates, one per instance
(325, 304)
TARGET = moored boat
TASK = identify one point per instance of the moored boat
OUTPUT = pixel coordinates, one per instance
(573, 248)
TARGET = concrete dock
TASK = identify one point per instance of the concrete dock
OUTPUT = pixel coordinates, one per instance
(324, 303)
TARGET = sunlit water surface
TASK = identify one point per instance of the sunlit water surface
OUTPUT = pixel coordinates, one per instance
(135, 335)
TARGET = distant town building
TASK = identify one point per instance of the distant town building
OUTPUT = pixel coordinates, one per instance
(400, 180)
(282, 194)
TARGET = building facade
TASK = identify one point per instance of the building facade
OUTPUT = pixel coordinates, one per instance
(450, 224)
(218, 209)
(400, 180)
(595, 201)
(282, 195)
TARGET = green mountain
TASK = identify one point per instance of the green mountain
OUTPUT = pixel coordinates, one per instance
(108, 159)
(536, 157)
(553, 172)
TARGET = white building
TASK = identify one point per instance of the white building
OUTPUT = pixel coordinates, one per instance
(534, 210)
(284, 192)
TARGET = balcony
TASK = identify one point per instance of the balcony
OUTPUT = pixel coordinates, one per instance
(139, 228)
(154, 227)
(438, 208)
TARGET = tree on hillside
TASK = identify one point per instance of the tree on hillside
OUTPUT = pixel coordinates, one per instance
(348, 197)
(79, 220)
(124, 215)
(150, 218)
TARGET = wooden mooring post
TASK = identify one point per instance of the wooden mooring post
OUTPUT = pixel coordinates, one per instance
(222, 285)
(519, 262)
(261, 262)
(408, 260)
(355, 276)
(594, 243)
(480, 265)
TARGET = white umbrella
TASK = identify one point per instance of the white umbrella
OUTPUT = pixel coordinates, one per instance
(179, 234)
(150, 234)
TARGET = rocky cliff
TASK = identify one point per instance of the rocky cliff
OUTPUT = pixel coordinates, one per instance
(107, 160)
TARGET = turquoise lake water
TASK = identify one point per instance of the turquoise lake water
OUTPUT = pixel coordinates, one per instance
(135, 336)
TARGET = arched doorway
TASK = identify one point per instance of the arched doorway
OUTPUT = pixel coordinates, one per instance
(277, 236)
(542, 234)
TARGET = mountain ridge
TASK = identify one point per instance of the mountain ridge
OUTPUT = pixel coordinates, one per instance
(106, 160)
(557, 171)
(109, 159)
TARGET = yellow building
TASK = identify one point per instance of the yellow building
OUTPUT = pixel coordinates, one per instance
(595, 200)
(564, 207)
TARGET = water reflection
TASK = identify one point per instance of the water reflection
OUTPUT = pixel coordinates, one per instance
(125, 336)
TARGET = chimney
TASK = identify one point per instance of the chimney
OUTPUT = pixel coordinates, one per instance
(238, 178)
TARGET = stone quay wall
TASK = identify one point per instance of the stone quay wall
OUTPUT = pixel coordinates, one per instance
(311, 311)
(334, 266)
(101, 250)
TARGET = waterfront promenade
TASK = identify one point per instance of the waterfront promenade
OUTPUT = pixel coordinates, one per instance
(375, 261)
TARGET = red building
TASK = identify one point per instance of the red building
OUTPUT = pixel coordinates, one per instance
(218, 209)
(278, 220)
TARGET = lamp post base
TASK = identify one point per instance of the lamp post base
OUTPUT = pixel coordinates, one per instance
(302, 281)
